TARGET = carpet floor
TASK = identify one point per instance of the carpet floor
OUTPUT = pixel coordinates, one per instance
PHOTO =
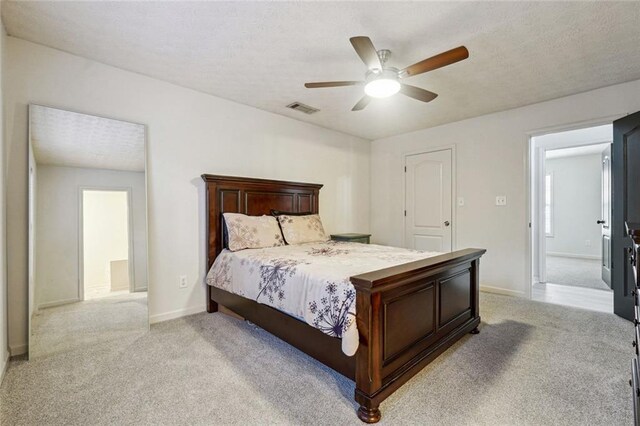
(575, 272)
(65, 328)
(532, 364)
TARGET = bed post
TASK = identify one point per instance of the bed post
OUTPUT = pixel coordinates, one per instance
(211, 305)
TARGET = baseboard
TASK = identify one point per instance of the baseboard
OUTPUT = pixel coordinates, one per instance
(503, 291)
(4, 366)
(176, 314)
(57, 303)
(15, 350)
(574, 256)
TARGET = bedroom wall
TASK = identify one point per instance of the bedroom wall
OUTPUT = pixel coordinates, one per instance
(189, 133)
(491, 155)
(58, 224)
(4, 353)
(576, 205)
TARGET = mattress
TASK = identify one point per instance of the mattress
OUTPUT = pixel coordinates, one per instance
(308, 281)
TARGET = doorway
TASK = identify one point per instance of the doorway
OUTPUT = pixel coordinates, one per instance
(429, 184)
(106, 254)
(571, 199)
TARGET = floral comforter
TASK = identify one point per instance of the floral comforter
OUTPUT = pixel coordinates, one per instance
(308, 281)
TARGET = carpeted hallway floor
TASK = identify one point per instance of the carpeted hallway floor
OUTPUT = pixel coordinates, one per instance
(575, 272)
(532, 364)
(65, 328)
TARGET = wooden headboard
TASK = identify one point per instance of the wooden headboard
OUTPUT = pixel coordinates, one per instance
(255, 197)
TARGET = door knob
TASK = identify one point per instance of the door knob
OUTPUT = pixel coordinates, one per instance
(600, 222)
(446, 223)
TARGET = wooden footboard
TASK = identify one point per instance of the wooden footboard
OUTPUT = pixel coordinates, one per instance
(407, 315)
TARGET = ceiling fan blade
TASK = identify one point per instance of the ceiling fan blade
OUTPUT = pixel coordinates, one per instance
(442, 60)
(417, 93)
(331, 84)
(364, 48)
(362, 103)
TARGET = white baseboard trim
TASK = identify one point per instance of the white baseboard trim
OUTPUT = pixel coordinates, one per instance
(4, 366)
(15, 350)
(57, 303)
(175, 314)
(503, 291)
(574, 256)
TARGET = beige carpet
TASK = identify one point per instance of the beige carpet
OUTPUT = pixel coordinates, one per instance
(532, 364)
(66, 328)
(575, 272)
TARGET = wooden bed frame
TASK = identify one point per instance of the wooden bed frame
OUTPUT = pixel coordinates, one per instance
(407, 315)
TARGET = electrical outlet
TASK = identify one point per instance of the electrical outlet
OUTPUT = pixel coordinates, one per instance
(460, 201)
(501, 200)
(587, 243)
(183, 281)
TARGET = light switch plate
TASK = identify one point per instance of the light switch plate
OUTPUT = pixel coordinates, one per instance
(460, 201)
(501, 200)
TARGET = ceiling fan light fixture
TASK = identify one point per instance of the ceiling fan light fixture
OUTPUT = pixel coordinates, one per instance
(382, 87)
(382, 84)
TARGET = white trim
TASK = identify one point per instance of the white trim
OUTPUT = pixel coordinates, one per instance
(503, 291)
(131, 260)
(15, 350)
(58, 303)
(574, 256)
(529, 156)
(454, 191)
(153, 319)
(4, 366)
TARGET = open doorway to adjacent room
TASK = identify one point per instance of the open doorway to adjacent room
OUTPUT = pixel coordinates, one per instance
(571, 200)
(107, 264)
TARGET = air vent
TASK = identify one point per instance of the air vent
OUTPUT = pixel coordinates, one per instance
(299, 106)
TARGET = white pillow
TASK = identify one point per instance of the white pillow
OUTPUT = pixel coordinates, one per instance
(302, 229)
(252, 231)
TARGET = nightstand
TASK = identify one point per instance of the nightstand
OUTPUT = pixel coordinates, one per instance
(353, 238)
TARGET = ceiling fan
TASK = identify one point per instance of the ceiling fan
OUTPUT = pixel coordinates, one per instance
(382, 81)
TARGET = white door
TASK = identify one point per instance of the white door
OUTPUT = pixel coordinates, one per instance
(429, 189)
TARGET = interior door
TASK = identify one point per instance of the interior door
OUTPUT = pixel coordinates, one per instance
(428, 192)
(605, 220)
(625, 168)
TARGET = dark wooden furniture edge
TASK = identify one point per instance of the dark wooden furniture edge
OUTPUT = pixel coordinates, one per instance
(376, 279)
(633, 230)
(444, 289)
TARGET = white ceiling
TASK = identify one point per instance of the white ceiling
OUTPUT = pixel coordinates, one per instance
(65, 138)
(261, 53)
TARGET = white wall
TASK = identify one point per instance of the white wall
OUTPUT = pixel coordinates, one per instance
(4, 353)
(576, 205)
(58, 224)
(105, 226)
(189, 133)
(491, 160)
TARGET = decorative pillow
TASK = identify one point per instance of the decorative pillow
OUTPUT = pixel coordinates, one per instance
(245, 232)
(302, 229)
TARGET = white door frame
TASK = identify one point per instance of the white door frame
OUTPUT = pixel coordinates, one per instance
(454, 191)
(131, 264)
(532, 221)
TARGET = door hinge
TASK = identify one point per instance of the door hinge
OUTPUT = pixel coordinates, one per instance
(405, 213)
(405, 169)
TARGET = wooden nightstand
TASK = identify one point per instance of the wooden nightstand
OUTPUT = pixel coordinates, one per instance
(353, 238)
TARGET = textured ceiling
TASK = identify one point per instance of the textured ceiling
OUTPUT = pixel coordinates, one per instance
(260, 54)
(64, 138)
